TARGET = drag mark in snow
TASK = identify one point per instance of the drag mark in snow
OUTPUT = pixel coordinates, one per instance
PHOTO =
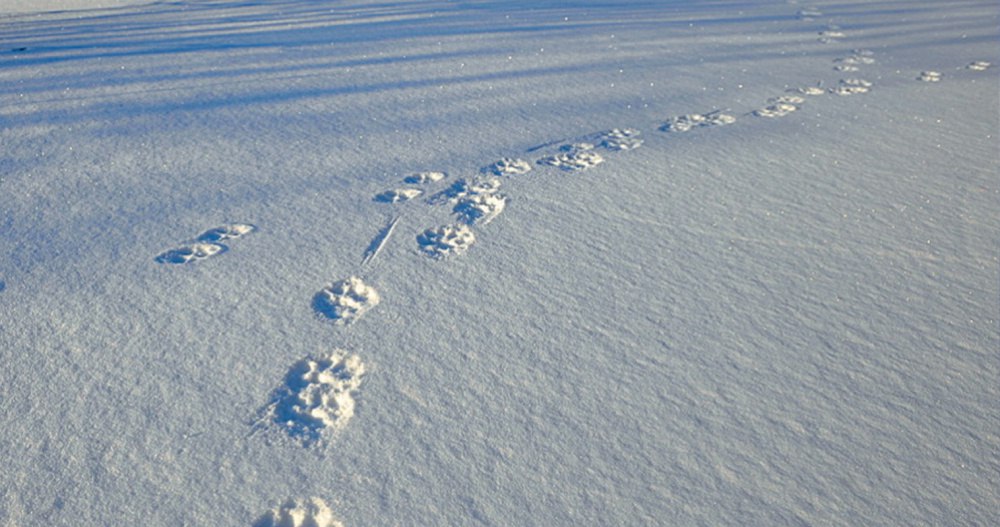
(312, 512)
(446, 241)
(346, 301)
(316, 398)
(508, 166)
(684, 123)
(379, 241)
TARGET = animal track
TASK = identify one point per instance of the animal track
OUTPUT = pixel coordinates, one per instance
(424, 178)
(316, 398)
(852, 87)
(831, 35)
(464, 188)
(929, 76)
(206, 245)
(979, 65)
(620, 139)
(446, 241)
(479, 209)
(508, 167)
(574, 157)
(346, 301)
(312, 512)
(684, 123)
(190, 253)
(780, 106)
(398, 195)
(809, 90)
(809, 13)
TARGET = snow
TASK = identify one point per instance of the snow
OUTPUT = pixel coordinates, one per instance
(759, 320)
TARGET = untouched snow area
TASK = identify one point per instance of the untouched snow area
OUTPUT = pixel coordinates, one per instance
(491, 262)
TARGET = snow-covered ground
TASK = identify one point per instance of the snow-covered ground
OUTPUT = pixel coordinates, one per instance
(492, 262)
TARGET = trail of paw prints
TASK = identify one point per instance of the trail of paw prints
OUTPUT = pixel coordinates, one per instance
(315, 400)
(311, 512)
(206, 245)
(346, 301)
(686, 123)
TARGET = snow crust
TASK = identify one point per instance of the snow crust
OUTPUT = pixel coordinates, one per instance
(639, 263)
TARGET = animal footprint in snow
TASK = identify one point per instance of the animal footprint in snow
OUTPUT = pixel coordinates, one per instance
(398, 195)
(190, 253)
(809, 13)
(206, 245)
(480, 209)
(979, 65)
(226, 232)
(852, 87)
(312, 512)
(780, 106)
(316, 398)
(929, 76)
(809, 90)
(508, 167)
(620, 139)
(831, 35)
(684, 123)
(464, 188)
(346, 301)
(444, 242)
(579, 156)
(424, 178)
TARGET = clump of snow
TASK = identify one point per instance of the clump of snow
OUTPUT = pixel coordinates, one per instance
(316, 398)
(446, 241)
(346, 300)
(311, 512)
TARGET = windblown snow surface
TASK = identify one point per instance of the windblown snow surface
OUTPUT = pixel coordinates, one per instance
(605, 263)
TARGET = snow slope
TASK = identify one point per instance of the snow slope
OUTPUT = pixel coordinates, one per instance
(790, 318)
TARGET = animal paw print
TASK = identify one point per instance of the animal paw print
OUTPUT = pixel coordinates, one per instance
(929, 76)
(780, 106)
(446, 241)
(574, 157)
(206, 245)
(685, 123)
(508, 166)
(312, 512)
(346, 301)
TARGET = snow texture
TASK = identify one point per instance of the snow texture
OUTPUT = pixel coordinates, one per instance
(782, 319)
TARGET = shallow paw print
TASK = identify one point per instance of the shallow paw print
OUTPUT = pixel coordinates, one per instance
(685, 123)
(446, 241)
(312, 512)
(929, 76)
(480, 209)
(464, 188)
(979, 65)
(398, 195)
(780, 106)
(190, 253)
(574, 157)
(226, 232)
(852, 87)
(508, 166)
(346, 301)
(424, 178)
(621, 139)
